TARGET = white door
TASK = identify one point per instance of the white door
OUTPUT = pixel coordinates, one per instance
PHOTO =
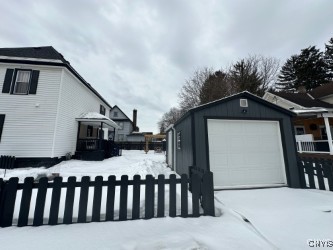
(245, 153)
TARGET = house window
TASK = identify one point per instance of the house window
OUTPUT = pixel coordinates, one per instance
(121, 125)
(90, 131)
(179, 138)
(22, 82)
(115, 114)
(102, 110)
(2, 121)
(299, 130)
(323, 132)
(120, 137)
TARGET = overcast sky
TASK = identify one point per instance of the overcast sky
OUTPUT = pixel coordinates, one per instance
(138, 54)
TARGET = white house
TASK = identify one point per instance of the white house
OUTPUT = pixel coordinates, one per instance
(47, 110)
(128, 130)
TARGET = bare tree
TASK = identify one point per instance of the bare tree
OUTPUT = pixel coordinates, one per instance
(189, 96)
(169, 118)
(255, 74)
(268, 69)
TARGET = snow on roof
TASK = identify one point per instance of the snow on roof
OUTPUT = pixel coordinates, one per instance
(97, 117)
(310, 110)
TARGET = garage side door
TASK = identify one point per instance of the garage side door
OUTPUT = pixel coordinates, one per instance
(245, 153)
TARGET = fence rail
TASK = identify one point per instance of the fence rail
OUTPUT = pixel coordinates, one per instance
(316, 173)
(202, 193)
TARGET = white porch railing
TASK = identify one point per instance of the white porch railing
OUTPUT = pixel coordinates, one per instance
(319, 146)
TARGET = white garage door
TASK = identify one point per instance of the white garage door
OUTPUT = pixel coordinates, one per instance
(245, 153)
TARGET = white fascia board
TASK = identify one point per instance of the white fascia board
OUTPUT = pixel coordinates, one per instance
(289, 103)
(31, 59)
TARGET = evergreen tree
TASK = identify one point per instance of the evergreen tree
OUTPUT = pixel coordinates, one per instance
(287, 80)
(215, 87)
(244, 75)
(329, 57)
(307, 69)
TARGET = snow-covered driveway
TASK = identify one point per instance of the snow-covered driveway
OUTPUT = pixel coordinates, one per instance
(287, 217)
(279, 218)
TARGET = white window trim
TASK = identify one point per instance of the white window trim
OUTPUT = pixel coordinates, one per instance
(29, 82)
(299, 126)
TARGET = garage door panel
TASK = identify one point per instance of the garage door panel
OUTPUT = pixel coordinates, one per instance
(245, 152)
(221, 177)
(219, 160)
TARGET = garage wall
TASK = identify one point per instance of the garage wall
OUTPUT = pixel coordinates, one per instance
(231, 109)
(184, 156)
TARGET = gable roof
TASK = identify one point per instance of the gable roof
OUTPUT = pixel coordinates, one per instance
(323, 90)
(245, 94)
(303, 99)
(46, 55)
(45, 52)
(114, 107)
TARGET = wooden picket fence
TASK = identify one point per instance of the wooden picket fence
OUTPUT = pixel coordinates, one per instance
(202, 194)
(316, 173)
(7, 162)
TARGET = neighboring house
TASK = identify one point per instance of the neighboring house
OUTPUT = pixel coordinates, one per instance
(243, 139)
(313, 124)
(127, 128)
(47, 110)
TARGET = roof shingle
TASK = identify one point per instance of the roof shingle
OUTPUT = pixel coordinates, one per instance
(303, 99)
(45, 52)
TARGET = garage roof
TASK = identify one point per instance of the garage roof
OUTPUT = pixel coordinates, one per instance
(244, 94)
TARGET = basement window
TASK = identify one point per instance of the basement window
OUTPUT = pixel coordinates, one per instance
(179, 138)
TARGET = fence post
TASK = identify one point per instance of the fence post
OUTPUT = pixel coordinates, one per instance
(208, 194)
(8, 202)
(301, 169)
(2, 198)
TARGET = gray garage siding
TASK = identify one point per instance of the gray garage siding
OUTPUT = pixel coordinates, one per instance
(184, 156)
(232, 110)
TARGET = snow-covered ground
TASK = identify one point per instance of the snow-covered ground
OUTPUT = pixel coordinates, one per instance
(276, 218)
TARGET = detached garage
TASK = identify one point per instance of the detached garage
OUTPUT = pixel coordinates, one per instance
(244, 140)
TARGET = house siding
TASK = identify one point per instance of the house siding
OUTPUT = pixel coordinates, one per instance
(74, 100)
(127, 129)
(30, 119)
(121, 115)
(135, 138)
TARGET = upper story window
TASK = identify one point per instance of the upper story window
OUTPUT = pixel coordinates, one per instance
(20, 81)
(102, 110)
(115, 114)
